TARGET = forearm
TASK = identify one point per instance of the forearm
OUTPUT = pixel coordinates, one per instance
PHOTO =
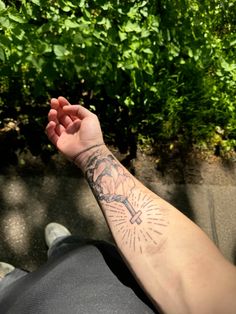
(129, 208)
(158, 243)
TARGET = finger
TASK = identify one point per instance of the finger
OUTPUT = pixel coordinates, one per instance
(65, 119)
(59, 129)
(73, 118)
(63, 101)
(77, 110)
(54, 103)
(53, 117)
(71, 111)
(51, 134)
(83, 112)
(74, 127)
(57, 114)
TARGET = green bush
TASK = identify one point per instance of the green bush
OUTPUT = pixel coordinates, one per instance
(160, 70)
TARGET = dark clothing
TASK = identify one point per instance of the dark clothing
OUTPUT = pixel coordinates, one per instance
(77, 278)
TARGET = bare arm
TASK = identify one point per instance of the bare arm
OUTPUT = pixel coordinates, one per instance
(176, 264)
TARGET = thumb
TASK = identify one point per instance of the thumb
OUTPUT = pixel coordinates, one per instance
(77, 110)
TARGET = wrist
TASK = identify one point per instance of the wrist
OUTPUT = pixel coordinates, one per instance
(81, 158)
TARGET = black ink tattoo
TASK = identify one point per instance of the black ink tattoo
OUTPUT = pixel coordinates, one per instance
(126, 207)
(85, 150)
(107, 177)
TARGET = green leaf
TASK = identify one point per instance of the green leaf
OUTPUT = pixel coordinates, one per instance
(233, 43)
(2, 55)
(4, 21)
(145, 33)
(37, 62)
(132, 12)
(147, 50)
(37, 2)
(82, 3)
(227, 66)
(43, 47)
(60, 51)
(106, 22)
(18, 32)
(144, 12)
(132, 27)
(86, 13)
(190, 52)
(2, 5)
(129, 102)
(71, 24)
(78, 38)
(66, 9)
(16, 17)
(106, 6)
(122, 36)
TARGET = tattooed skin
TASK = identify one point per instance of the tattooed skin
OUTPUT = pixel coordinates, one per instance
(126, 207)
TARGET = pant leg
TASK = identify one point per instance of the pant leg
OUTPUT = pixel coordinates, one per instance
(65, 244)
(105, 254)
(11, 278)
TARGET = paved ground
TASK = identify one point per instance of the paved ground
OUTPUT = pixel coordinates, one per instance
(32, 196)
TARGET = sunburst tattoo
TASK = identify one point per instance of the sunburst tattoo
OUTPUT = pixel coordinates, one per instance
(126, 208)
(134, 235)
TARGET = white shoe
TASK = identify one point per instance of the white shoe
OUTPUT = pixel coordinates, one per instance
(5, 269)
(53, 231)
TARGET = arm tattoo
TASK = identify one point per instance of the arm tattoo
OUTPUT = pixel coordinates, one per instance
(85, 150)
(126, 206)
(107, 178)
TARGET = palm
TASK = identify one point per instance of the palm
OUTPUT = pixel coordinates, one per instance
(72, 128)
(78, 136)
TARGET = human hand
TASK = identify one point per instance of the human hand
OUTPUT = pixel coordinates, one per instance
(72, 128)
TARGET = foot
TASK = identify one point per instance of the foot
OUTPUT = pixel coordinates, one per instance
(53, 231)
(5, 269)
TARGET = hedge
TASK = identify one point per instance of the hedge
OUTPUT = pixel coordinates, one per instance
(159, 71)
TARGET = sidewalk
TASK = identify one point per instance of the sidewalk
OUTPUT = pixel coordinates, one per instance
(30, 199)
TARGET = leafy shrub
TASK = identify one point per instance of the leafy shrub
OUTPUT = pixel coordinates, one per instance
(158, 70)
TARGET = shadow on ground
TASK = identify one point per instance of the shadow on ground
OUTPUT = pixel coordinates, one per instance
(36, 194)
(31, 199)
